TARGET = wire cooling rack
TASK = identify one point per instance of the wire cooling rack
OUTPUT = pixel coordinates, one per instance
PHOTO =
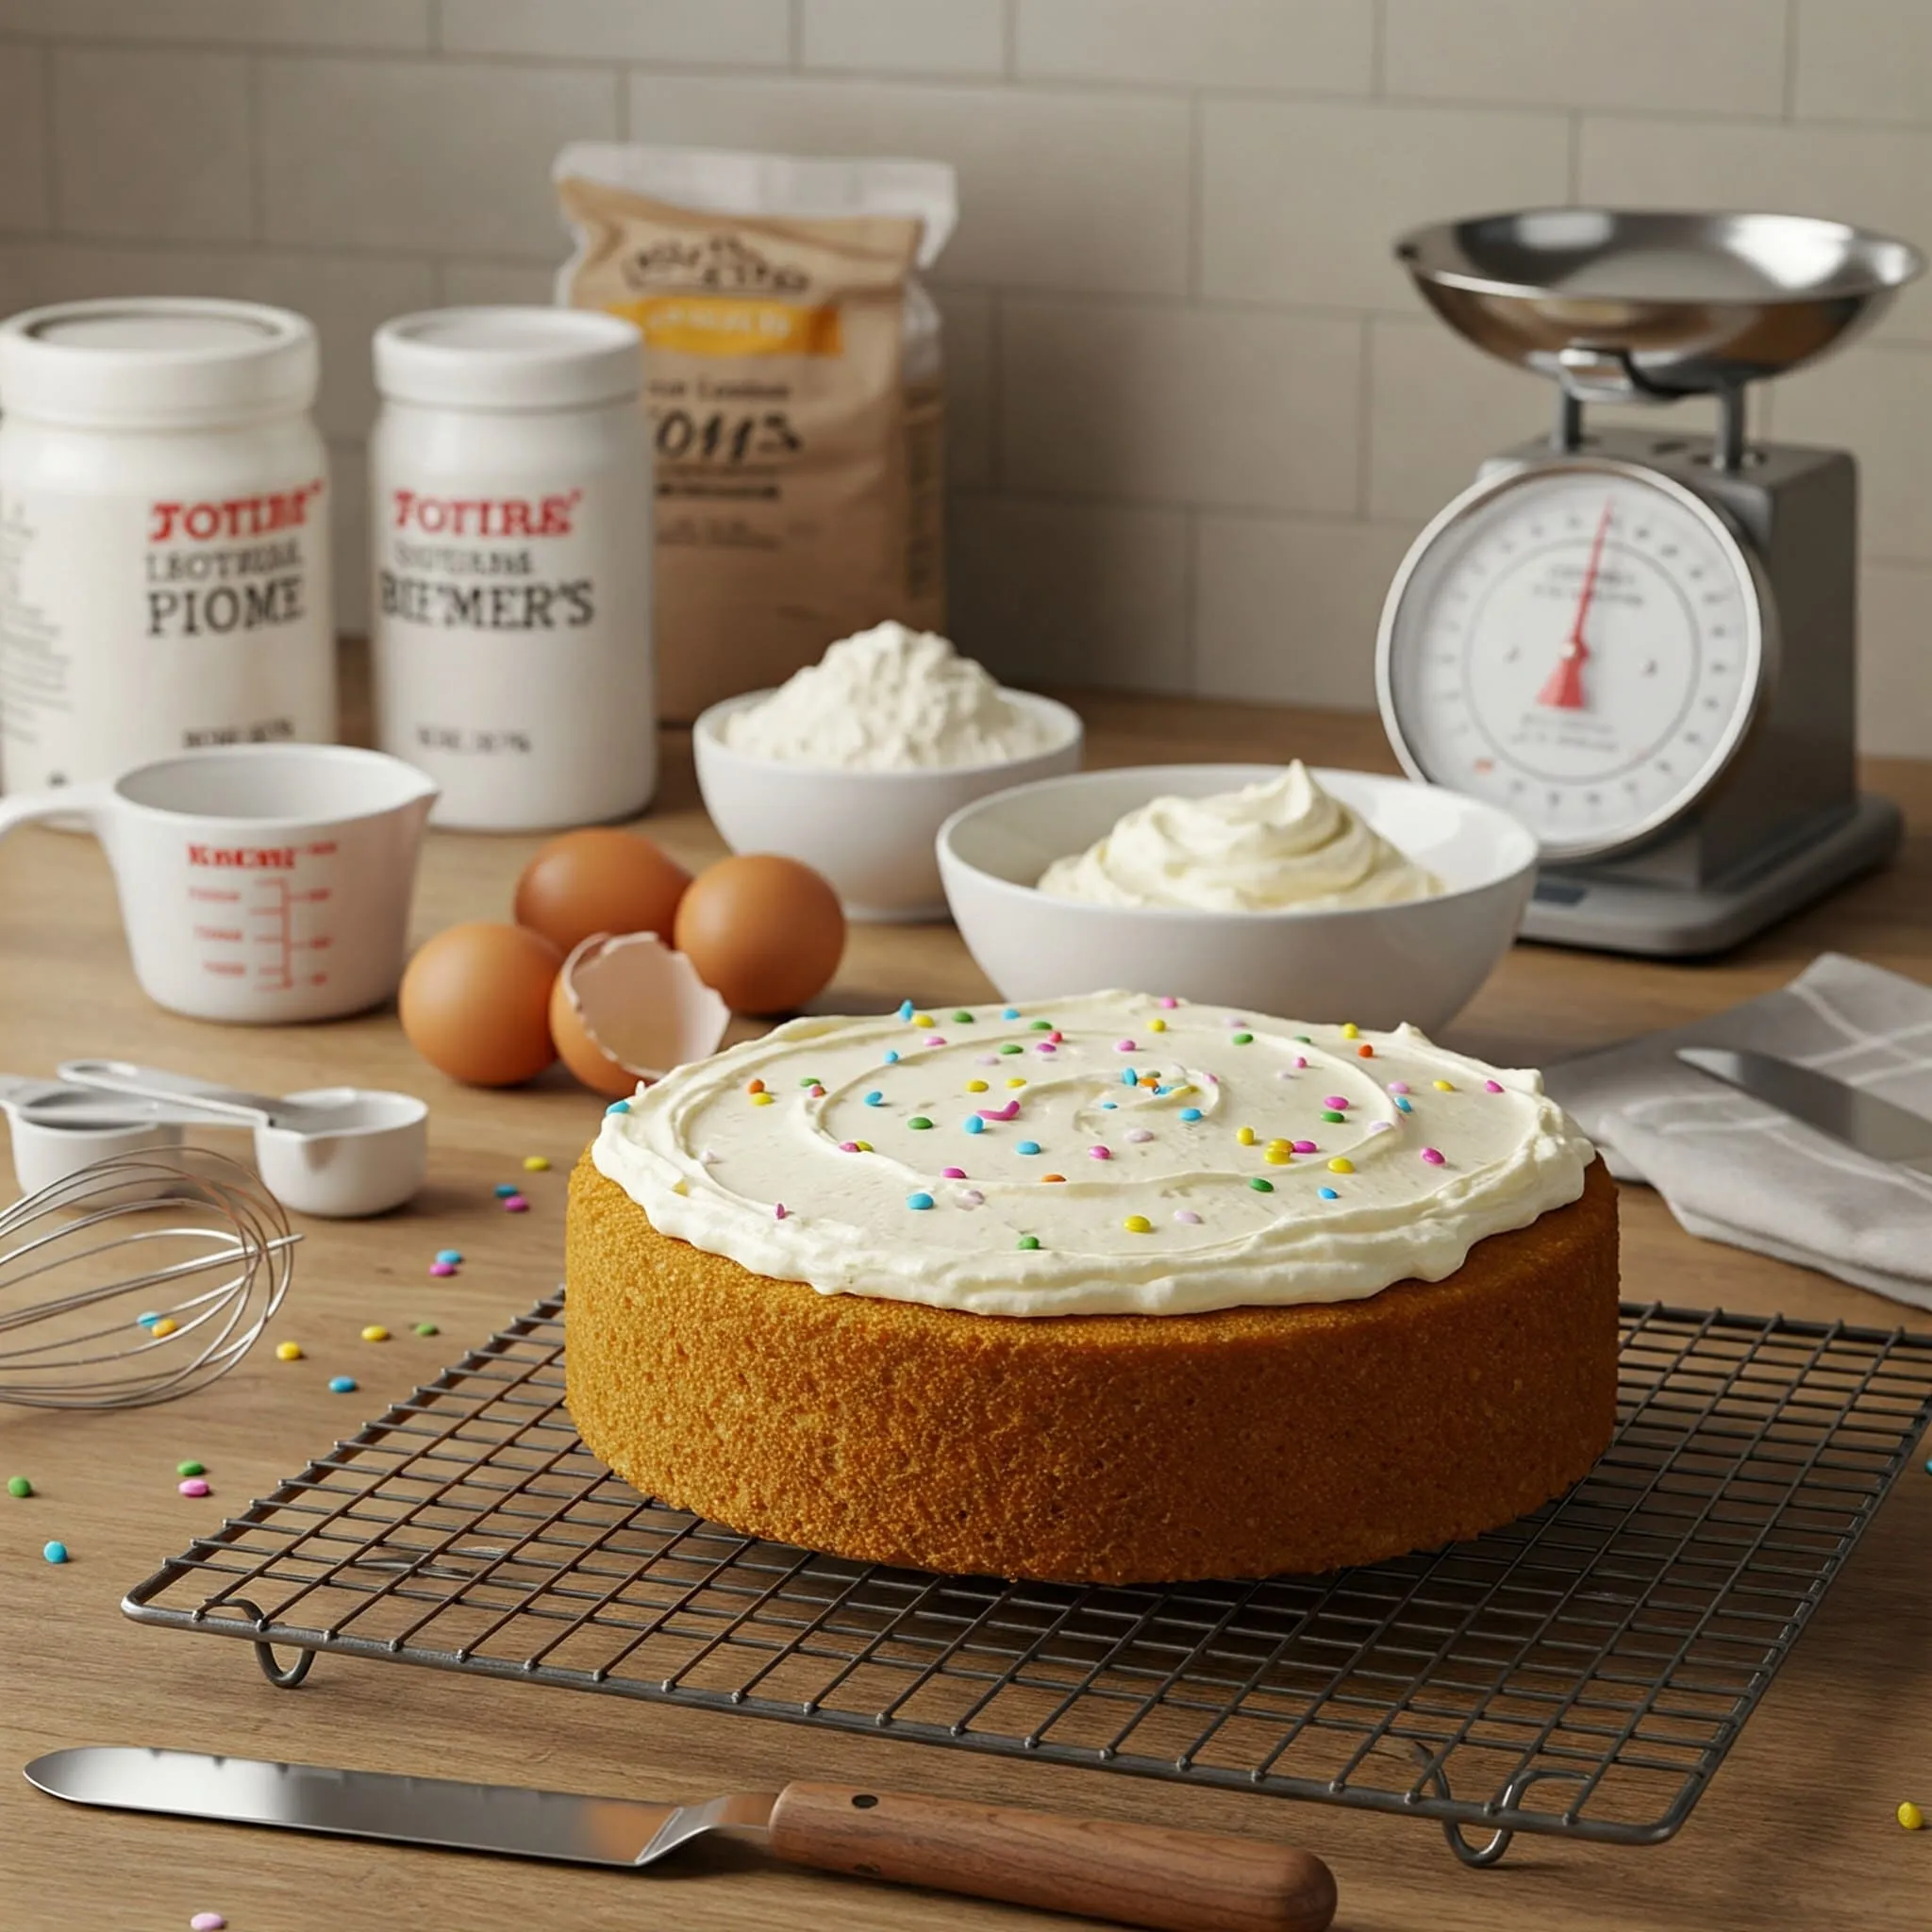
(1582, 1671)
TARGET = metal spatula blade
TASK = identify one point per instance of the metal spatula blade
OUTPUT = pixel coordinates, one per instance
(1872, 1124)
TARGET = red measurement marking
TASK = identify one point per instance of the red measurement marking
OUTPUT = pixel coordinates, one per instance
(213, 895)
(229, 969)
(218, 935)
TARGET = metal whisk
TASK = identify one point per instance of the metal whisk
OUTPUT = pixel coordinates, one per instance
(136, 1279)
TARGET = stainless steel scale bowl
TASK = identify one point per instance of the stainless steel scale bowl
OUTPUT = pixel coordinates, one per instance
(1645, 644)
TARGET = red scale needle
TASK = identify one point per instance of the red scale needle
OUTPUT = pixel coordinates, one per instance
(1563, 688)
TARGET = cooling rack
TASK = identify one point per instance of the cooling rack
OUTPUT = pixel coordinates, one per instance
(1581, 1673)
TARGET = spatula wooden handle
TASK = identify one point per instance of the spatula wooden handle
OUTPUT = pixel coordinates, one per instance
(1138, 1875)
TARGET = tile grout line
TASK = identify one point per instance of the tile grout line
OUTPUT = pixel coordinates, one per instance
(258, 168)
(1378, 50)
(1365, 416)
(50, 142)
(1792, 50)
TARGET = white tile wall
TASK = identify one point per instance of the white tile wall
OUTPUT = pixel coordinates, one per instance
(1196, 414)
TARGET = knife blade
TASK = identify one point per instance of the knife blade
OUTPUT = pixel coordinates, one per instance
(1149, 1875)
(1875, 1126)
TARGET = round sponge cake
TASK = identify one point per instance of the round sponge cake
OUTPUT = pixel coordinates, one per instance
(1107, 1448)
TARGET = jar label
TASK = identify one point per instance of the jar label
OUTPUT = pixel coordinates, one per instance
(133, 627)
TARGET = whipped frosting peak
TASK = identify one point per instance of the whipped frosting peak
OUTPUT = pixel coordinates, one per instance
(889, 699)
(1281, 844)
(1114, 1153)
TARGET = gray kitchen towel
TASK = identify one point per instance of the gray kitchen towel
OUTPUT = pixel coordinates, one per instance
(1734, 1170)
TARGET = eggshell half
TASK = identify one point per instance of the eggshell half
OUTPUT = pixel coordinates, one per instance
(628, 1008)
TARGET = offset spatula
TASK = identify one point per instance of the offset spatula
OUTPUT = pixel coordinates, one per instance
(1868, 1122)
(1175, 1881)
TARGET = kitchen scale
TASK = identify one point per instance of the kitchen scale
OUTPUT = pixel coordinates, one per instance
(1645, 645)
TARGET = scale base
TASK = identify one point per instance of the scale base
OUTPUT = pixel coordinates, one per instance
(1599, 910)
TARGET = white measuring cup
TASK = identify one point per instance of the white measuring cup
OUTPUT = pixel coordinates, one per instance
(258, 883)
(342, 1151)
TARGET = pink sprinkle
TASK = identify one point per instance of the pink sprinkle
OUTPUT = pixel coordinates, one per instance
(1334, 1100)
(1046, 1046)
(848, 1146)
(1493, 1086)
(1056, 1036)
(440, 1269)
(1167, 1000)
(206, 1921)
(1398, 1086)
(1188, 1216)
(1234, 1020)
(1140, 1133)
(778, 1210)
(1300, 1064)
(195, 1486)
(515, 1203)
(706, 1157)
(1432, 1157)
(934, 1040)
(1123, 1046)
(987, 1060)
(815, 1091)
(953, 1173)
(1100, 1153)
(1306, 1147)
(971, 1197)
(1214, 1079)
(1008, 1112)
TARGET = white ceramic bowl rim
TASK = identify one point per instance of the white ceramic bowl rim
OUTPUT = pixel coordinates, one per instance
(379, 1111)
(1064, 716)
(1511, 830)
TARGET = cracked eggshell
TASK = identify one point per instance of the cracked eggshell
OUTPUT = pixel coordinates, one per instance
(628, 1008)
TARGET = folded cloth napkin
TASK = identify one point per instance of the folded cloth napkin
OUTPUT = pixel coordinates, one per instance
(1733, 1169)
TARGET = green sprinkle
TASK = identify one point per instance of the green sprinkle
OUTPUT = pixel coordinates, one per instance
(191, 1469)
(1328, 1114)
(1303, 1040)
(427, 1329)
(1029, 1241)
(1243, 1039)
(1012, 1046)
(919, 1120)
(811, 1080)
(19, 1486)
(962, 1018)
(1043, 1027)
(1261, 1187)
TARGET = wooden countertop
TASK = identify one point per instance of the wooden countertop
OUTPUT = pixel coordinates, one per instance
(1795, 1831)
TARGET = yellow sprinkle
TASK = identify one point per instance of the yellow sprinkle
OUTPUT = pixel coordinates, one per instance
(1278, 1156)
(376, 1332)
(536, 1163)
(1246, 1136)
(166, 1326)
(1351, 1031)
(761, 1100)
(1137, 1223)
(1442, 1085)
(1279, 1142)
(680, 1188)
(1157, 1026)
(1183, 1087)
(863, 1146)
(976, 1086)
(922, 1019)
(288, 1351)
(1340, 1164)
(1016, 1081)
(1911, 1817)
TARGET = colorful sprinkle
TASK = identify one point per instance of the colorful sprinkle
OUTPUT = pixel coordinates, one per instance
(1330, 1115)
(1910, 1817)
(1493, 1086)
(1432, 1155)
(779, 1211)
(705, 1158)
(1381, 1126)
(1328, 1193)
(166, 1326)
(1191, 1113)
(848, 1146)
(1442, 1085)
(761, 1100)
(148, 1320)
(962, 1018)
(1043, 1027)
(1009, 1012)
(288, 1351)
(971, 1197)
(536, 1163)
(974, 1124)
(754, 1086)
(1128, 1078)
(19, 1486)
(1055, 1035)
(863, 1146)
(1398, 1086)
(1246, 1136)
(515, 1203)
(976, 1086)
(1046, 1178)
(441, 1269)
(1137, 1223)
(1351, 1031)
(1027, 1242)
(906, 1009)
(922, 1019)
(1342, 1164)
(1157, 1026)
(891, 1059)
(1187, 1217)
(919, 1123)
(1140, 1136)
(1008, 1112)
(1027, 1147)
(934, 1040)
(342, 1385)
(1046, 1046)
(986, 1060)
(1334, 1100)
(1277, 1157)
(1261, 1187)
(1016, 1081)
(1123, 1046)
(451, 1256)
(54, 1552)
(1109, 1106)
(1304, 1147)
(206, 1921)
(1242, 1038)
(427, 1329)
(1012, 1046)
(1167, 1000)
(1100, 1153)
(191, 1468)
(953, 1173)
(1403, 1106)
(195, 1486)
(874, 1098)
(615, 1106)
(1365, 1051)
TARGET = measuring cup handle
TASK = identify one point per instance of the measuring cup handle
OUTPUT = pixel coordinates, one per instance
(150, 1083)
(70, 801)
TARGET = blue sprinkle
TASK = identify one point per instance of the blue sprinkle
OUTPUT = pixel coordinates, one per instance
(974, 1124)
(1403, 1104)
(449, 1255)
(874, 1098)
(919, 1201)
(1159, 1091)
(1027, 1147)
(55, 1553)
(615, 1106)
(1328, 1193)
(504, 1189)
(1191, 1113)
(1107, 1107)
(342, 1385)
(146, 1321)
(906, 1009)
(1128, 1078)
(891, 1059)
(1010, 1013)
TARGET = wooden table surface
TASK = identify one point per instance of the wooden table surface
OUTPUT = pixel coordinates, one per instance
(1797, 1829)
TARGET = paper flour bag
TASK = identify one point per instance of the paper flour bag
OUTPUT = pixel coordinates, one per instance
(791, 373)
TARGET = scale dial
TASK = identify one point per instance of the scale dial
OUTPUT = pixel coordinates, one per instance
(1581, 642)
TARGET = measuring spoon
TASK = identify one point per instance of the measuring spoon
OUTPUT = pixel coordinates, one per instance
(342, 1151)
(55, 1129)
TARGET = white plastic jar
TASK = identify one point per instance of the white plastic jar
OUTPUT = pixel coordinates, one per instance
(164, 554)
(510, 499)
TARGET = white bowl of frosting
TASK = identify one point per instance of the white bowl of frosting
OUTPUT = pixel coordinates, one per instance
(1341, 895)
(854, 764)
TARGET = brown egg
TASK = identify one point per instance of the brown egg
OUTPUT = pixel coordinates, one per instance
(765, 932)
(628, 1009)
(600, 879)
(476, 1002)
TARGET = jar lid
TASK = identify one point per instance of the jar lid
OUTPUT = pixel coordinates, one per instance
(510, 359)
(155, 363)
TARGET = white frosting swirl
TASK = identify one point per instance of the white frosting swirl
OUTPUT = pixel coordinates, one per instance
(1281, 844)
(826, 1174)
(889, 699)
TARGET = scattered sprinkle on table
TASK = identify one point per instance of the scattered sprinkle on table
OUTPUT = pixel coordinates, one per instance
(148, 1320)
(451, 1256)
(504, 1189)
(195, 1486)
(427, 1329)
(164, 1327)
(442, 1270)
(19, 1486)
(206, 1921)
(1277, 1157)
(342, 1385)
(536, 1163)
(1911, 1817)
(191, 1468)
(54, 1552)
(515, 1203)
(1140, 1136)
(953, 1173)
(288, 1351)
(376, 1332)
